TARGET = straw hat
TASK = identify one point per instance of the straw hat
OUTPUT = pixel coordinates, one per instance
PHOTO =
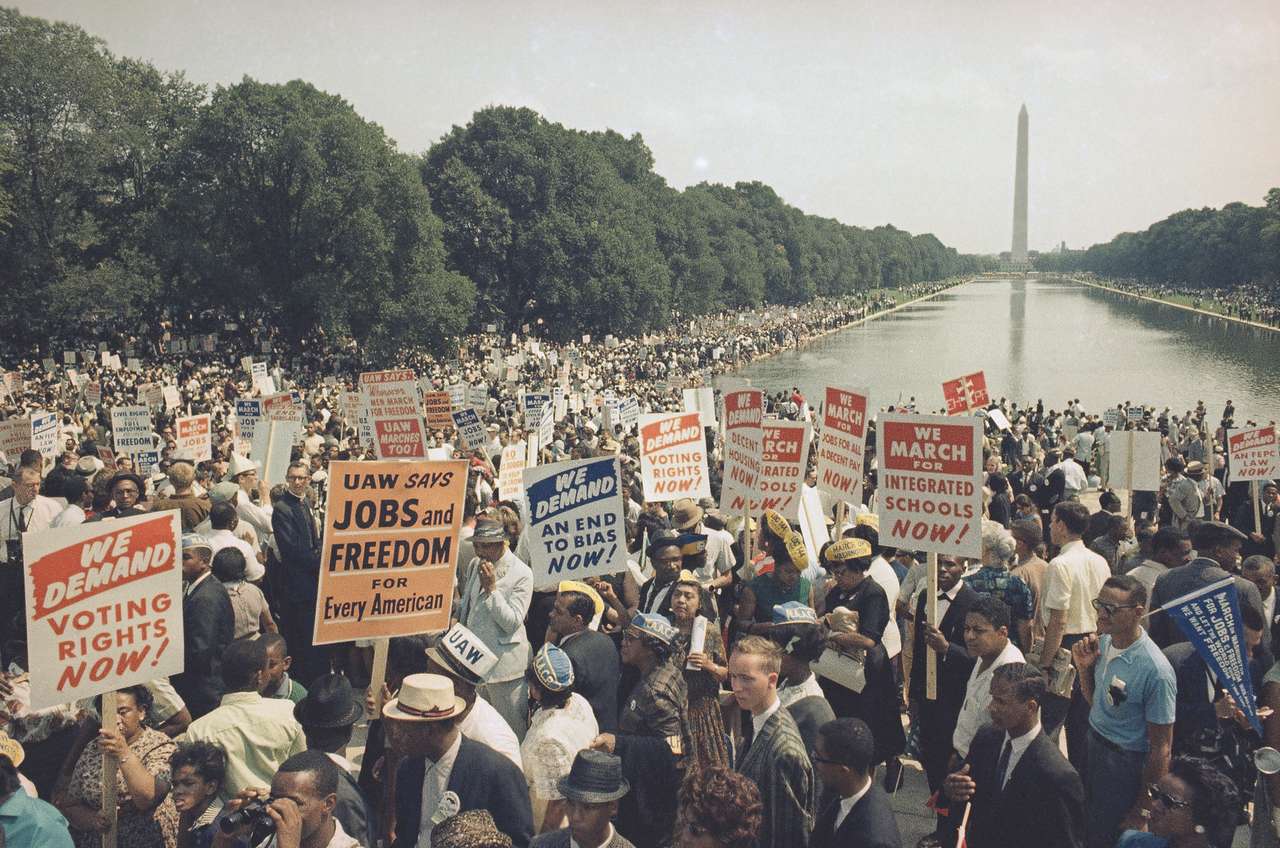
(425, 697)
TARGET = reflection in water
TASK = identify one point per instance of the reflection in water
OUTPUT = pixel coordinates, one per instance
(1050, 339)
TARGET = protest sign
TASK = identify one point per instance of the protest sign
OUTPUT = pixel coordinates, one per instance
(131, 429)
(135, 365)
(282, 406)
(629, 410)
(673, 456)
(1253, 454)
(468, 423)
(743, 442)
(842, 443)
(1210, 619)
(1111, 417)
(108, 458)
(68, 357)
(12, 383)
(965, 393)
(194, 438)
(457, 396)
(701, 400)
(1135, 460)
(930, 495)
(1135, 414)
(15, 436)
(436, 406)
(172, 400)
(511, 471)
(44, 434)
(546, 426)
(783, 463)
(478, 396)
(396, 418)
(248, 419)
(104, 608)
(389, 549)
(531, 404)
(275, 440)
(146, 462)
(999, 419)
(114, 361)
(93, 393)
(48, 364)
(153, 396)
(258, 375)
(576, 527)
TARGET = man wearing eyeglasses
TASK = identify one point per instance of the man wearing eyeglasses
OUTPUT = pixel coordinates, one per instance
(1132, 692)
(298, 539)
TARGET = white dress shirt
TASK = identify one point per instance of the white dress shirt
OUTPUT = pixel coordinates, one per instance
(977, 697)
(435, 782)
(883, 573)
(1020, 746)
(847, 805)
(38, 514)
(757, 721)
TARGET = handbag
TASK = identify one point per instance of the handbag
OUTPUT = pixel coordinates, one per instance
(847, 668)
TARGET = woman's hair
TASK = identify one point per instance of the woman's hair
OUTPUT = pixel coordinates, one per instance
(803, 642)
(724, 804)
(229, 565)
(1215, 802)
(998, 542)
(548, 700)
(141, 697)
(207, 759)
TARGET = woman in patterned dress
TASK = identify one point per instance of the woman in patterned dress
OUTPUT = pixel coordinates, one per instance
(706, 747)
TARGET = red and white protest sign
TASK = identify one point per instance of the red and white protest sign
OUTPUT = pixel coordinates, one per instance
(673, 456)
(392, 397)
(282, 406)
(784, 460)
(108, 458)
(842, 443)
(743, 442)
(930, 483)
(93, 393)
(194, 439)
(104, 606)
(1253, 454)
(511, 471)
(965, 393)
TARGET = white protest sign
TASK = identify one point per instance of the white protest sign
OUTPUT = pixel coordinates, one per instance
(930, 496)
(194, 438)
(259, 378)
(673, 456)
(146, 462)
(783, 463)
(629, 411)
(93, 393)
(511, 472)
(457, 395)
(576, 527)
(395, 413)
(842, 443)
(467, 423)
(1111, 417)
(104, 606)
(546, 425)
(131, 429)
(531, 404)
(701, 400)
(48, 364)
(1253, 454)
(44, 434)
(743, 442)
(68, 357)
(998, 418)
(280, 437)
(1135, 460)
(172, 400)
(248, 419)
(15, 436)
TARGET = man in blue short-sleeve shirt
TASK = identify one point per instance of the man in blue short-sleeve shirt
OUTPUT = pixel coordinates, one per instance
(1132, 692)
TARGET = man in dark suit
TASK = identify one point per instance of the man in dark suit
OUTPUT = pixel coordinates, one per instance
(1217, 549)
(594, 657)
(859, 814)
(938, 717)
(467, 775)
(296, 535)
(1021, 789)
(208, 624)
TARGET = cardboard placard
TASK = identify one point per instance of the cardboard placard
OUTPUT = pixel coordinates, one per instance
(784, 460)
(105, 606)
(842, 444)
(930, 495)
(511, 471)
(673, 456)
(966, 393)
(436, 406)
(389, 550)
(468, 424)
(395, 415)
(194, 438)
(1135, 460)
(44, 434)
(576, 526)
(131, 429)
(743, 443)
(1253, 454)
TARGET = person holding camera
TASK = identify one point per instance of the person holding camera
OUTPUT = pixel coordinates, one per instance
(27, 511)
(296, 812)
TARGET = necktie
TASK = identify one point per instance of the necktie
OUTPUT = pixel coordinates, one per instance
(1002, 764)
(942, 596)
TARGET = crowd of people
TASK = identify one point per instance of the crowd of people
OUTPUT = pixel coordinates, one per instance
(734, 686)
(1256, 302)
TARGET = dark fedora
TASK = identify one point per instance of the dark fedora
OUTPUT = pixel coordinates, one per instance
(330, 702)
(594, 778)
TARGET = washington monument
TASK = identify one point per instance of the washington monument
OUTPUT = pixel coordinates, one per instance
(1018, 255)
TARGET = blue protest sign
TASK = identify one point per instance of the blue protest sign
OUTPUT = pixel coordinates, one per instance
(1210, 618)
(576, 525)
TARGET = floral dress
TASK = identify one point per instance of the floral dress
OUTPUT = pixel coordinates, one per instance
(706, 745)
(155, 829)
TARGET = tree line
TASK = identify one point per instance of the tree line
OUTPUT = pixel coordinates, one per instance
(1203, 248)
(128, 193)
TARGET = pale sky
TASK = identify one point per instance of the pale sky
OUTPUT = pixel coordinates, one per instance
(868, 112)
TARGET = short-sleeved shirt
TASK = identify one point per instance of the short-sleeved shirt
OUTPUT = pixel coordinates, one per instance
(1131, 689)
(1074, 578)
(31, 823)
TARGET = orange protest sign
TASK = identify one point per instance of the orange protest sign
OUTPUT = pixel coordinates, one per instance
(390, 545)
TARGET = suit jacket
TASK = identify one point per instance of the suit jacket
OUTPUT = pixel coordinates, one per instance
(209, 624)
(954, 666)
(497, 617)
(595, 674)
(298, 539)
(560, 839)
(779, 764)
(1176, 582)
(870, 824)
(482, 778)
(1042, 803)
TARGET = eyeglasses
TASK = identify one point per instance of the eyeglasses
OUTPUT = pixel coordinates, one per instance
(1110, 609)
(1158, 794)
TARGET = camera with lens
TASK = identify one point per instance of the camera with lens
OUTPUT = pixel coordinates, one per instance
(254, 816)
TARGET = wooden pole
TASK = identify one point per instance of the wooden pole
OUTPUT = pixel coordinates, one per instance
(1257, 506)
(837, 528)
(748, 537)
(110, 765)
(931, 614)
(1128, 467)
(378, 674)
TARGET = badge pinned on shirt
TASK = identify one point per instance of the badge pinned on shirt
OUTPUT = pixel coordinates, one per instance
(450, 805)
